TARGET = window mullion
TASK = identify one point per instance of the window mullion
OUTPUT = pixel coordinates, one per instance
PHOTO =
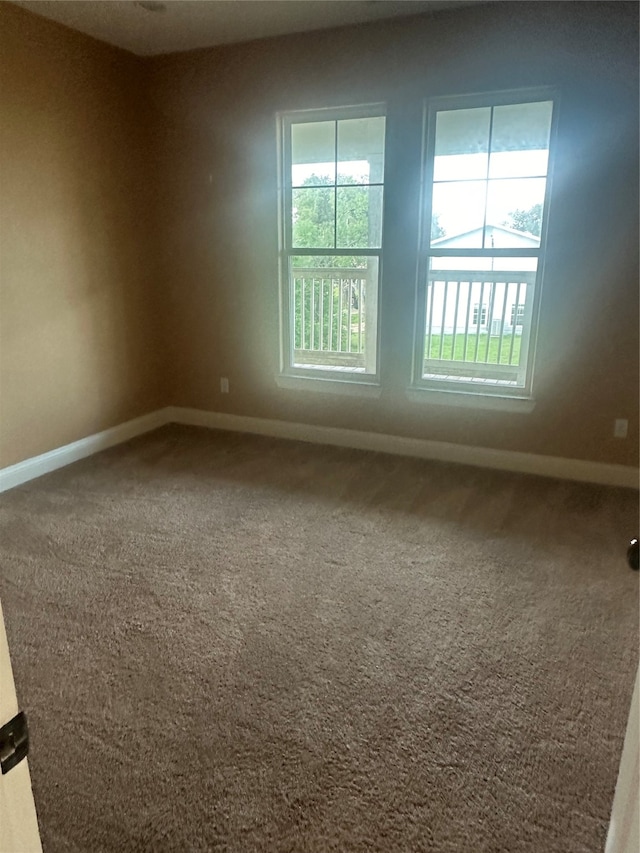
(486, 183)
(335, 188)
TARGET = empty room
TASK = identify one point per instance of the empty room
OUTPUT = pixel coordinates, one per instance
(319, 426)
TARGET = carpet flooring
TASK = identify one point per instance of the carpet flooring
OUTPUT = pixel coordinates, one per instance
(234, 643)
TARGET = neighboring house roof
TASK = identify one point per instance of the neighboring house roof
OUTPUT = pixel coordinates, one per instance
(503, 234)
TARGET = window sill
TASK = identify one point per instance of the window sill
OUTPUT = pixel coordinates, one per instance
(471, 400)
(319, 384)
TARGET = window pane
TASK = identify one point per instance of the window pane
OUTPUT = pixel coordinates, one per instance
(313, 153)
(520, 140)
(361, 150)
(313, 220)
(458, 214)
(518, 164)
(359, 219)
(334, 313)
(514, 213)
(478, 312)
(462, 144)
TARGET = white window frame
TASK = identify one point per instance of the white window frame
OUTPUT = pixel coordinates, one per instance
(321, 378)
(479, 386)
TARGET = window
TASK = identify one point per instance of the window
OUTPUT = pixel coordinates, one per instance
(517, 316)
(332, 200)
(483, 315)
(485, 189)
(480, 243)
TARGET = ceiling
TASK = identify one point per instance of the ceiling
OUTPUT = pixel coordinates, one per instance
(188, 24)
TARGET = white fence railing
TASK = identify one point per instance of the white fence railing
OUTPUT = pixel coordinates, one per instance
(333, 317)
(478, 323)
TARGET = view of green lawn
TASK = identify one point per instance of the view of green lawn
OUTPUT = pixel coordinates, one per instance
(325, 341)
(482, 341)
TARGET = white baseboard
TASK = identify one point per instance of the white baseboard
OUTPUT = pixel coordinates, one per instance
(483, 457)
(624, 826)
(36, 466)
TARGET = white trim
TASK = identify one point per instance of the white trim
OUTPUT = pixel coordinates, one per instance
(36, 466)
(484, 457)
(470, 400)
(322, 385)
(624, 835)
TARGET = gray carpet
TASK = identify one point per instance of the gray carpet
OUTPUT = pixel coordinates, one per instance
(232, 643)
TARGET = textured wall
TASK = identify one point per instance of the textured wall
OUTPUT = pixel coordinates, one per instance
(78, 313)
(216, 124)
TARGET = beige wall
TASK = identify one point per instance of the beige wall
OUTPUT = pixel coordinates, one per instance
(78, 346)
(216, 111)
(83, 345)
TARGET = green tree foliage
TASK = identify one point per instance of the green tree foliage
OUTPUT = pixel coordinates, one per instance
(314, 220)
(529, 220)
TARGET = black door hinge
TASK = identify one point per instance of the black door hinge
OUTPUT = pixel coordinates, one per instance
(14, 742)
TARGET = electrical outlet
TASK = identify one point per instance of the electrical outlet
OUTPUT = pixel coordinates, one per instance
(224, 385)
(620, 428)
